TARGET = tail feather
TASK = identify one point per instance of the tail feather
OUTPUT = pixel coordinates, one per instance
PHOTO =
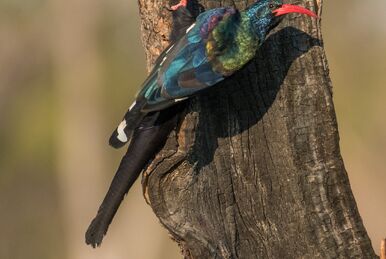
(149, 137)
(123, 180)
(123, 133)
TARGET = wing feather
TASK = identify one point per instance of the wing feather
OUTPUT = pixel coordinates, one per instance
(183, 69)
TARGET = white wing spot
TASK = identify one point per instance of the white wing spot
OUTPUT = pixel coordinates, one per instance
(169, 49)
(121, 133)
(180, 99)
(131, 106)
(163, 61)
(191, 27)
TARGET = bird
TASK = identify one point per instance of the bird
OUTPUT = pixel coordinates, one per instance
(219, 43)
(204, 50)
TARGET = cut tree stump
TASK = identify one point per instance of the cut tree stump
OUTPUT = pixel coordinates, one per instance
(253, 169)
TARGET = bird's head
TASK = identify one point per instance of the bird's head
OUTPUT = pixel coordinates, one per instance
(267, 14)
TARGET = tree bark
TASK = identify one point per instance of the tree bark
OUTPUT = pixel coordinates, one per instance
(253, 169)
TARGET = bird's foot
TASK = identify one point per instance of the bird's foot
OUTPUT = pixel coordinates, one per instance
(182, 3)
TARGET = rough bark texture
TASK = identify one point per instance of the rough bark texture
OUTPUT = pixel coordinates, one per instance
(254, 170)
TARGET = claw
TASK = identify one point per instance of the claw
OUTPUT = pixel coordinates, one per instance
(182, 3)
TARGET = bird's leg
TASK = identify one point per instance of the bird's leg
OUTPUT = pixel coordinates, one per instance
(182, 3)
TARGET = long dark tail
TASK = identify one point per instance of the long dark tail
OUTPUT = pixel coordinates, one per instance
(133, 117)
(148, 138)
(146, 134)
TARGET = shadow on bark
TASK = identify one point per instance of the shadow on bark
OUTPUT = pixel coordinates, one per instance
(249, 100)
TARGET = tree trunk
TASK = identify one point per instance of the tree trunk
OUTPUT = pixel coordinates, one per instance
(254, 169)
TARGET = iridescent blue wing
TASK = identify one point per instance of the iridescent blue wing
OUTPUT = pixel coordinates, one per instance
(183, 69)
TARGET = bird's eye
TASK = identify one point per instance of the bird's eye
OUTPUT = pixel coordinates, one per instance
(271, 6)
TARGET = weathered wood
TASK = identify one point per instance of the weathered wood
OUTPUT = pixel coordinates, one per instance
(254, 168)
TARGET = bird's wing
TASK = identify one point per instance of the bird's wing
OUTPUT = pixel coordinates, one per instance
(183, 69)
(182, 20)
(180, 71)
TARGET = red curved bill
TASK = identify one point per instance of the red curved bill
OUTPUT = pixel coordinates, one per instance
(288, 8)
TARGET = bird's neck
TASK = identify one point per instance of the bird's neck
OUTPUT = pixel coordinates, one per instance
(234, 43)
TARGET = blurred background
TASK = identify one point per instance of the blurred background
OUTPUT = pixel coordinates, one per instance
(68, 71)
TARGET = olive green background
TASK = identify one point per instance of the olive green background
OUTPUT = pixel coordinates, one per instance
(68, 71)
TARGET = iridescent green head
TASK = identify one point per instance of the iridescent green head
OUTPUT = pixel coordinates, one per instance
(267, 14)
